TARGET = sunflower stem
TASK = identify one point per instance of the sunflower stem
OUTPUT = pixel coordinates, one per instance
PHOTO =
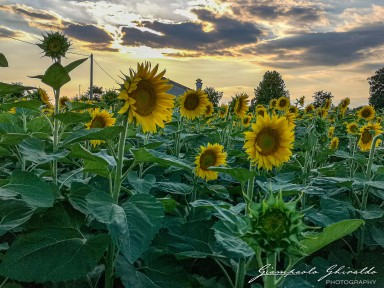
(56, 124)
(270, 280)
(110, 266)
(177, 137)
(240, 274)
(250, 187)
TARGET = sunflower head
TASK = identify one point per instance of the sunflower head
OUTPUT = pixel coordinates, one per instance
(193, 103)
(282, 103)
(43, 95)
(100, 119)
(270, 142)
(331, 131)
(301, 101)
(63, 100)
(223, 110)
(293, 110)
(366, 113)
(273, 103)
(352, 128)
(146, 100)
(211, 155)
(246, 121)
(334, 143)
(276, 226)
(309, 108)
(322, 112)
(261, 111)
(327, 104)
(209, 109)
(367, 133)
(241, 105)
(291, 118)
(54, 45)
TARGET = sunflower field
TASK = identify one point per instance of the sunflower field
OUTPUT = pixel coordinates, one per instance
(147, 189)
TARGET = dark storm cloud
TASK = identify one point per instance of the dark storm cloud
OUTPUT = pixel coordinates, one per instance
(226, 33)
(87, 33)
(316, 49)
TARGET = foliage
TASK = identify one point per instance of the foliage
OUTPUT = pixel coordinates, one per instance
(271, 87)
(320, 97)
(376, 89)
(213, 95)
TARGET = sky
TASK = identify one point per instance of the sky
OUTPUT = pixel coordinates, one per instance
(314, 44)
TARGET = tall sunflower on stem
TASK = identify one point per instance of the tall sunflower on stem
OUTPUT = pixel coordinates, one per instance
(100, 119)
(193, 103)
(211, 155)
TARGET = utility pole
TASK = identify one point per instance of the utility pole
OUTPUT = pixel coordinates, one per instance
(91, 80)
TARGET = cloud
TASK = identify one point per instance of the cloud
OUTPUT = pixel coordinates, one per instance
(87, 33)
(223, 33)
(319, 49)
(8, 32)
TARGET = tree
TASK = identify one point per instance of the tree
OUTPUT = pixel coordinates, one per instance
(320, 97)
(271, 87)
(376, 89)
(213, 95)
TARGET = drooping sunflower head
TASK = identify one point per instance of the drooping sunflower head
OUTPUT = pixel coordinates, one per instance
(211, 155)
(366, 113)
(273, 103)
(327, 104)
(54, 45)
(345, 103)
(309, 109)
(246, 121)
(322, 112)
(367, 133)
(293, 110)
(100, 119)
(301, 101)
(276, 226)
(63, 100)
(223, 110)
(43, 95)
(270, 142)
(193, 103)
(146, 100)
(209, 109)
(352, 128)
(241, 105)
(261, 111)
(282, 103)
(334, 143)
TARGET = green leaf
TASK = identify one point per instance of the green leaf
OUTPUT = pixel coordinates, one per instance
(53, 255)
(4, 152)
(77, 195)
(330, 234)
(39, 124)
(146, 155)
(12, 138)
(80, 106)
(75, 64)
(240, 174)
(13, 88)
(73, 117)
(144, 216)
(33, 150)
(30, 104)
(56, 76)
(174, 187)
(143, 185)
(103, 208)
(376, 184)
(106, 133)
(3, 61)
(13, 213)
(31, 188)
(372, 212)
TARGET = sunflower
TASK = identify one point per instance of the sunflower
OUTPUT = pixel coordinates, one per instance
(301, 101)
(223, 110)
(322, 112)
(63, 100)
(270, 142)
(334, 143)
(293, 110)
(100, 119)
(246, 121)
(331, 131)
(209, 109)
(193, 103)
(43, 96)
(55, 45)
(344, 105)
(12, 110)
(310, 108)
(209, 156)
(241, 105)
(273, 103)
(261, 111)
(366, 113)
(352, 128)
(282, 103)
(146, 100)
(378, 120)
(291, 118)
(327, 104)
(367, 133)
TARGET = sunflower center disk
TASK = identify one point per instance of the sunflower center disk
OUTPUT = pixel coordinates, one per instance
(145, 97)
(54, 45)
(282, 103)
(366, 137)
(366, 113)
(207, 159)
(191, 102)
(268, 141)
(98, 122)
(275, 224)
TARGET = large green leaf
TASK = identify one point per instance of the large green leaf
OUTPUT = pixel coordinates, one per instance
(33, 150)
(141, 185)
(31, 188)
(3, 61)
(240, 174)
(147, 155)
(12, 138)
(173, 187)
(80, 105)
(331, 234)
(30, 104)
(106, 133)
(74, 64)
(13, 213)
(53, 254)
(103, 208)
(56, 76)
(144, 216)
(6, 88)
(77, 195)
(73, 117)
